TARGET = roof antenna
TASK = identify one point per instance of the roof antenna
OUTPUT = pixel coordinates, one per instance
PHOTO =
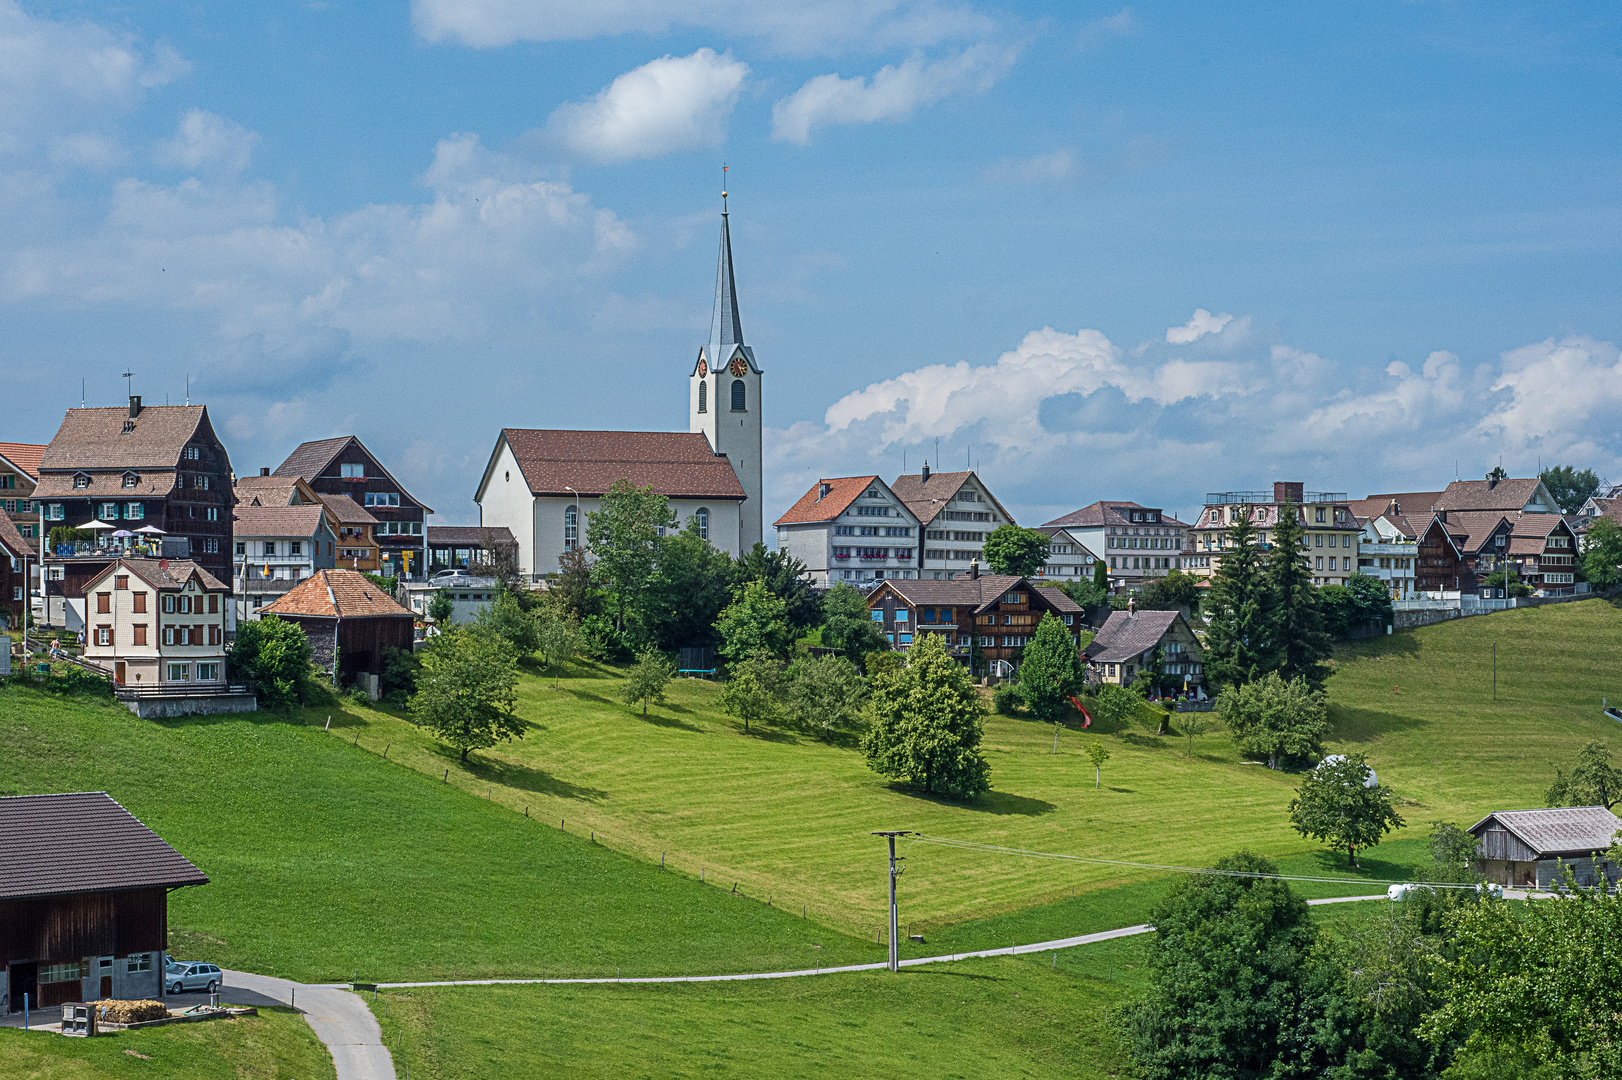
(81, 391)
(188, 388)
(129, 389)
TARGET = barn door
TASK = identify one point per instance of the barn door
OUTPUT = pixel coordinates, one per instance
(24, 980)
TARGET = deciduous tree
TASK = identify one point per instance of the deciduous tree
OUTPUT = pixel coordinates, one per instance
(825, 693)
(753, 688)
(1569, 487)
(1011, 549)
(273, 656)
(925, 724)
(785, 578)
(1593, 780)
(623, 535)
(1274, 717)
(1602, 554)
(647, 679)
(507, 620)
(441, 609)
(1115, 706)
(848, 626)
(560, 635)
(1097, 754)
(753, 623)
(1338, 805)
(468, 690)
(691, 586)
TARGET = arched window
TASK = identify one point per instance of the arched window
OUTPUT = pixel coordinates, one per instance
(571, 527)
(739, 404)
(704, 396)
(702, 516)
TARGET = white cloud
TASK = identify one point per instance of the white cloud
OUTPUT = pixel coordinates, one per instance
(805, 27)
(1560, 394)
(207, 142)
(1098, 31)
(894, 93)
(673, 103)
(1201, 324)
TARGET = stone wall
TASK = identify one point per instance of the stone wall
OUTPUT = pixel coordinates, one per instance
(1407, 620)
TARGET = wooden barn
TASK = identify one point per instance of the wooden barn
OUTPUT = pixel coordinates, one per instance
(349, 622)
(84, 900)
(1525, 849)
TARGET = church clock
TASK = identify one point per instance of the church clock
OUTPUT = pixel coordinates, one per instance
(738, 367)
(703, 368)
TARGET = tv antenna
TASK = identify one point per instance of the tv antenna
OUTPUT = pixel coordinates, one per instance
(129, 388)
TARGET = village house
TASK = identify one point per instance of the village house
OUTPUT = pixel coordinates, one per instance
(276, 548)
(1608, 505)
(18, 557)
(1532, 849)
(157, 624)
(1461, 548)
(19, 475)
(355, 528)
(993, 615)
(1068, 558)
(469, 596)
(1498, 493)
(349, 622)
(344, 467)
(1140, 542)
(1329, 542)
(850, 528)
(84, 901)
(1129, 643)
(955, 512)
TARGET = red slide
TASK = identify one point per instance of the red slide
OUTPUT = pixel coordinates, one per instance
(1086, 717)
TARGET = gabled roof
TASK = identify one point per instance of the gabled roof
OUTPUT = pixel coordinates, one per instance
(1126, 634)
(269, 490)
(980, 592)
(815, 506)
(1058, 597)
(1560, 830)
(1441, 526)
(676, 464)
(95, 438)
(926, 498)
(297, 521)
(1506, 495)
(1058, 532)
(164, 573)
(1403, 524)
(1471, 529)
(23, 456)
(1414, 504)
(83, 842)
(310, 459)
(474, 535)
(347, 510)
(15, 543)
(1109, 512)
(337, 594)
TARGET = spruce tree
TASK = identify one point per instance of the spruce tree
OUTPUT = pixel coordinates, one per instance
(1237, 646)
(1301, 644)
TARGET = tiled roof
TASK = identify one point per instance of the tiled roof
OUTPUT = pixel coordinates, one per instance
(1561, 830)
(927, 498)
(473, 535)
(83, 842)
(166, 573)
(301, 521)
(15, 543)
(1507, 495)
(24, 455)
(1471, 529)
(95, 438)
(1059, 598)
(676, 464)
(266, 490)
(1415, 504)
(1405, 525)
(1126, 634)
(309, 458)
(979, 592)
(331, 594)
(1108, 512)
(347, 510)
(814, 506)
(105, 484)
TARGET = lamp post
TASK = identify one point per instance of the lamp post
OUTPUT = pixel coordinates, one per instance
(566, 487)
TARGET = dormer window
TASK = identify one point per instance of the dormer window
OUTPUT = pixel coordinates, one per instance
(81, 480)
(823, 490)
(132, 480)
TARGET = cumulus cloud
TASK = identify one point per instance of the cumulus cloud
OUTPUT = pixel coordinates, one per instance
(1201, 324)
(894, 93)
(207, 141)
(1097, 32)
(804, 27)
(673, 103)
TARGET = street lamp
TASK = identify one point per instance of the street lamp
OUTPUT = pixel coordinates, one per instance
(566, 487)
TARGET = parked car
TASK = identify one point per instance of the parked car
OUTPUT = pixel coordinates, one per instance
(450, 574)
(181, 978)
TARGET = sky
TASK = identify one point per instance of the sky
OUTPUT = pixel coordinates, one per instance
(1099, 251)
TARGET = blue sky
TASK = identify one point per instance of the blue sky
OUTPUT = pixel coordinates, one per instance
(1127, 252)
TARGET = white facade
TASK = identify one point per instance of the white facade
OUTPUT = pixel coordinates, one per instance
(1068, 558)
(955, 536)
(469, 596)
(152, 637)
(264, 568)
(875, 537)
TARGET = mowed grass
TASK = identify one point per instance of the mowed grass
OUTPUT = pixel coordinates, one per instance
(327, 861)
(788, 816)
(274, 1045)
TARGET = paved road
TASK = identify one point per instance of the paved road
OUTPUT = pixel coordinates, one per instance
(339, 1018)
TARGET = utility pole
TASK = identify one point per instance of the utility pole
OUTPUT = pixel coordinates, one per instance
(895, 872)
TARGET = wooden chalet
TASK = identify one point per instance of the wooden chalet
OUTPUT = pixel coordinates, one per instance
(1529, 849)
(349, 622)
(1126, 644)
(994, 613)
(84, 900)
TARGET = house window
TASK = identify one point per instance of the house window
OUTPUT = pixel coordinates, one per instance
(81, 480)
(54, 512)
(192, 453)
(104, 603)
(382, 498)
(107, 511)
(138, 603)
(571, 527)
(121, 582)
(104, 635)
(208, 672)
(211, 545)
(213, 513)
(139, 962)
(739, 395)
(352, 472)
(132, 480)
(702, 516)
(179, 672)
(139, 636)
(1320, 514)
(704, 395)
(135, 511)
(1320, 562)
(295, 547)
(242, 547)
(214, 602)
(55, 973)
(903, 615)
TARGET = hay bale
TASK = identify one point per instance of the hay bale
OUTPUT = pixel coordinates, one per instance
(130, 1012)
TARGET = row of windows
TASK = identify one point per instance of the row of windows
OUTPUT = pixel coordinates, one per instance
(128, 511)
(962, 515)
(952, 554)
(173, 603)
(1155, 543)
(873, 553)
(268, 548)
(382, 498)
(19, 506)
(1138, 562)
(873, 511)
(871, 530)
(1144, 532)
(205, 672)
(571, 526)
(1347, 563)
(200, 634)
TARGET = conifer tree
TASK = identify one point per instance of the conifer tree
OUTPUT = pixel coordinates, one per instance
(1237, 646)
(1301, 645)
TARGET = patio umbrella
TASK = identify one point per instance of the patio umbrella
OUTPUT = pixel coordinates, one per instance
(151, 530)
(94, 524)
(122, 533)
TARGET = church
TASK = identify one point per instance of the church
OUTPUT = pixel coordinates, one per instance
(543, 483)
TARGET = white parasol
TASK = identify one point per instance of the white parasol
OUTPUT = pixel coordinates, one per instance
(94, 524)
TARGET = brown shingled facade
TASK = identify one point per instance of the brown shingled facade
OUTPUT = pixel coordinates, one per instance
(1000, 611)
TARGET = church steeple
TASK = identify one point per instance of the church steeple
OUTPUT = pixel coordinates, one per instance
(726, 328)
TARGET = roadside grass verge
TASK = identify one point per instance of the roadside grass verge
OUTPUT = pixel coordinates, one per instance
(271, 1046)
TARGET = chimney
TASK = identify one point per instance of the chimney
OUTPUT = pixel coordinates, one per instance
(1131, 606)
(1492, 478)
(1286, 491)
(925, 477)
(135, 406)
(974, 569)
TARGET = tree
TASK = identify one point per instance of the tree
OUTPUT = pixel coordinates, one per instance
(575, 586)
(1453, 854)
(507, 620)
(398, 680)
(785, 577)
(1507, 578)
(1274, 717)
(1569, 487)
(1593, 780)
(690, 588)
(1115, 706)
(1602, 554)
(1239, 606)
(441, 609)
(1236, 986)
(1194, 724)
(559, 638)
(1338, 804)
(468, 690)
(1049, 672)
(752, 688)
(925, 725)
(623, 535)
(1086, 594)
(646, 680)
(1300, 645)
(754, 622)
(848, 626)
(1171, 592)
(273, 656)
(1100, 577)
(824, 693)
(1014, 550)
(1097, 754)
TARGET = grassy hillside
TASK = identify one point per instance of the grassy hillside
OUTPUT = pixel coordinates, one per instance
(271, 1046)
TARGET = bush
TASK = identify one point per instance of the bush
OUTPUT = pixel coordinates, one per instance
(80, 683)
(1008, 700)
(273, 655)
(399, 677)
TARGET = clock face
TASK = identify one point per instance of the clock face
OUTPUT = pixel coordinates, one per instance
(703, 368)
(738, 366)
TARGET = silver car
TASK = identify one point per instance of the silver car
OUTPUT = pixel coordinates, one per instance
(182, 978)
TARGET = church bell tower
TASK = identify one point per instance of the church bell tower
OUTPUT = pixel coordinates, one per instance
(724, 394)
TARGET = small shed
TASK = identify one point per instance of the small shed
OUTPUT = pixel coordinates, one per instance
(1525, 848)
(84, 900)
(349, 622)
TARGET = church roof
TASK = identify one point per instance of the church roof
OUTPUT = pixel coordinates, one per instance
(726, 327)
(676, 464)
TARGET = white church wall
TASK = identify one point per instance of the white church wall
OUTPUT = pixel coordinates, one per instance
(507, 502)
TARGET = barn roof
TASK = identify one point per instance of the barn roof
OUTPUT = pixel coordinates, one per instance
(1561, 830)
(337, 594)
(82, 842)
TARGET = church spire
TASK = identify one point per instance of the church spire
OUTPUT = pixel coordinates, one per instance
(726, 328)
